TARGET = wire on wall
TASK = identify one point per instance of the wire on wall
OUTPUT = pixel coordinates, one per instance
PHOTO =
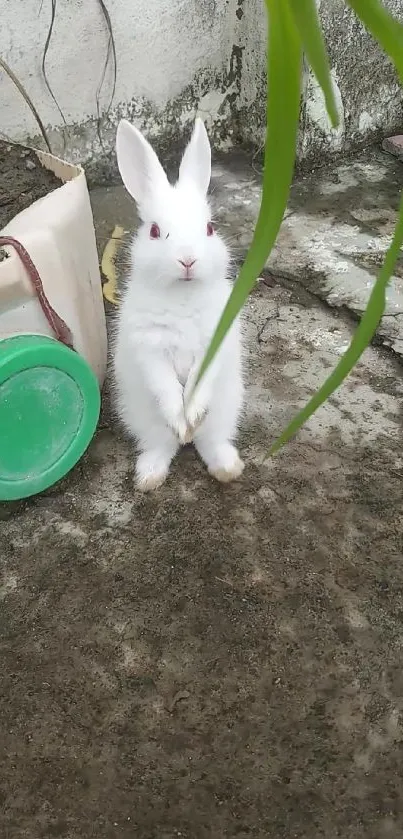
(111, 52)
(110, 55)
(45, 52)
(28, 100)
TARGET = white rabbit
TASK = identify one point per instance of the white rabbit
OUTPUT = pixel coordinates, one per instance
(176, 291)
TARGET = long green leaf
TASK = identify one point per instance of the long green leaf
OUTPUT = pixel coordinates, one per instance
(384, 27)
(362, 337)
(283, 103)
(307, 21)
(389, 33)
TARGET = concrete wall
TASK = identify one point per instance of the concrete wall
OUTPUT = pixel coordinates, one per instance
(368, 93)
(367, 90)
(174, 57)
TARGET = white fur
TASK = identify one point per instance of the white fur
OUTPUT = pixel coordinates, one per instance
(165, 322)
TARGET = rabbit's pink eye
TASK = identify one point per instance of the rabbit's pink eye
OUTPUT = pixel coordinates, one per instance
(155, 232)
(210, 228)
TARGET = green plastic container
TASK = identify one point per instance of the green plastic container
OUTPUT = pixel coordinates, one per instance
(49, 410)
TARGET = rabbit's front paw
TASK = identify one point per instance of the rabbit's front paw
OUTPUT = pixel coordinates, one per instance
(195, 415)
(180, 428)
(195, 405)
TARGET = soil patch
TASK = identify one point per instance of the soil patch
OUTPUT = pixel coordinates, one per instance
(22, 181)
(216, 662)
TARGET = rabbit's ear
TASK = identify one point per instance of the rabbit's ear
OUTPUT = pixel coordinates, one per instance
(140, 169)
(196, 161)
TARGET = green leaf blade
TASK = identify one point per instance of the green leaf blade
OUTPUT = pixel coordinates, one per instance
(284, 57)
(384, 27)
(308, 24)
(361, 339)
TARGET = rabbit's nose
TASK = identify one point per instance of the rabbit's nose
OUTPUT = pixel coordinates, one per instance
(187, 263)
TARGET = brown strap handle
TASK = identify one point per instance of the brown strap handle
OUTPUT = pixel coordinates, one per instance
(54, 320)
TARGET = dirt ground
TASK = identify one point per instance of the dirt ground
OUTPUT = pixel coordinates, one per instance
(22, 181)
(216, 661)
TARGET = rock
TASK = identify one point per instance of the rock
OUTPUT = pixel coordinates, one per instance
(394, 145)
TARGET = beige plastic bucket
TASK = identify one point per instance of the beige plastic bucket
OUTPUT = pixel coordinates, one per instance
(58, 233)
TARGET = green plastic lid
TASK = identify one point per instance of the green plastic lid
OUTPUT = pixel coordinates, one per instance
(49, 410)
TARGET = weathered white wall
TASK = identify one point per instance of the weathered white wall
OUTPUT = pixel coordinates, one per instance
(251, 32)
(175, 57)
(369, 95)
(172, 55)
